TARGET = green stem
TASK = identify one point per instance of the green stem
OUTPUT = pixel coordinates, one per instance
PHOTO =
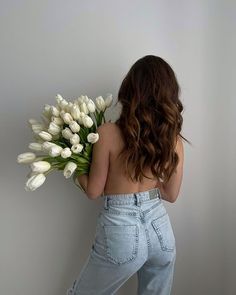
(45, 173)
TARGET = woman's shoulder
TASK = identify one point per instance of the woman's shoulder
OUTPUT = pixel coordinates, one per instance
(108, 128)
(108, 132)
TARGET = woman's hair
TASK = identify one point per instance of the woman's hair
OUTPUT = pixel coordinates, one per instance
(150, 119)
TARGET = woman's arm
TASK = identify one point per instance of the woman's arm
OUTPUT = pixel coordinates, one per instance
(83, 181)
(170, 190)
(94, 183)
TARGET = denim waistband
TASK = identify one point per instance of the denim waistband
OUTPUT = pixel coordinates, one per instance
(132, 198)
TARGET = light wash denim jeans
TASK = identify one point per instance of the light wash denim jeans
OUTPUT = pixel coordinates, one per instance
(133, 234)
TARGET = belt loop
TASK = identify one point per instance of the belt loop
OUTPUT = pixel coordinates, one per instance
(105, 203)
(137, 200)
(159, 193)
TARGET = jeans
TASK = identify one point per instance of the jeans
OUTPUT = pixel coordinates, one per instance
(133, 235)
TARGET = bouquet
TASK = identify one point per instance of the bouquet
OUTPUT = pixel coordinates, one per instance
(64, 138)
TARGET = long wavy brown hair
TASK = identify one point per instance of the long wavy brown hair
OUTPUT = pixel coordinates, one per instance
(150, 120)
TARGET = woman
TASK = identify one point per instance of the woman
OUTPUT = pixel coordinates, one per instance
(136, 163)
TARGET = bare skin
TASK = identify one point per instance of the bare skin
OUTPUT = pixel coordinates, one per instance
(107, 174)
(117, 182)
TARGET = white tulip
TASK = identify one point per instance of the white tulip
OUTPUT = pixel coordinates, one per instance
(77, 148)
(45, 135)
(47, 145)
(86, 99)
(66, 133)
(26, 158)
(57, 120)
(55, 151)
(40, 166)
(36, 128)
(75, 112)
(91, 106)
(80, 118)
(69, 106)
(74, 126)
(47, 111)
(54, 129)
(108, 100)
(59, 98)
(87, 121)
(67, 118)
(100, 103)
(75, 139)
(76, 103)
(69, 169)
(35, 181)
(66, 153)
(35, 146)
(83, 108)
(55, 111)
(80, 99)
(63, 104)
(92, 137)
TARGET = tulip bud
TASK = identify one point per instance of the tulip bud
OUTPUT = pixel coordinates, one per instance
(108, 100)
(59, 98)
(75, 139)
(26, 158)
(54, 129)
(86, 99)
(80, 99)
(55, 111)
(92, 137)
(67, 118)
(74, 126)
(40, 166)
(87, 121)
(63, 104)
(36, 128)
(66, 133)
(47, 145)
(77, 148)
(66, 153)
(55, 151)
(35, 181)
(75, 112)
(45, 135)
(35, 146)
(47, 111)
(83, 108)
(100, 103)
(57, 120)
(91, 106)
(69, 169)
(69, 106)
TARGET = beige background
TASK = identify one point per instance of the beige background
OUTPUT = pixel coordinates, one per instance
(86, 47)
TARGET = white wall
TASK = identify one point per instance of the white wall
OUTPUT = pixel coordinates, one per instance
(86, 47)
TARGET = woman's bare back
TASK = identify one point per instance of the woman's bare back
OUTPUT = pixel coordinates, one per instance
(117, 182)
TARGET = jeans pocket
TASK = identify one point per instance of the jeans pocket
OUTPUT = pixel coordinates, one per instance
(164, 231)
(121, 242)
